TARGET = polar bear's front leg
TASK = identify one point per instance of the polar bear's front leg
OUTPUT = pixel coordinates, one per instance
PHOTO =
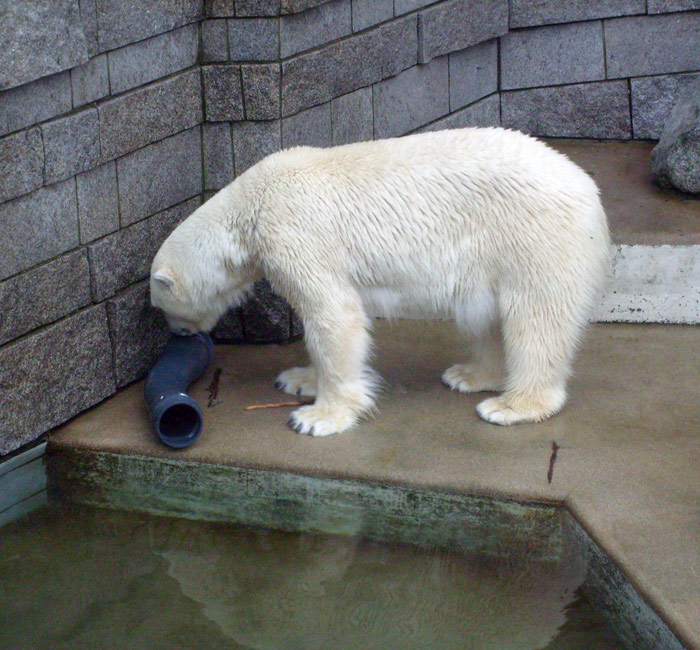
(338, 343)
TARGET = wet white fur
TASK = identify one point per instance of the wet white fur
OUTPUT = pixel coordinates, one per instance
(487, 226)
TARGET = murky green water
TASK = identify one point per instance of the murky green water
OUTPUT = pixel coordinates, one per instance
(92, 579)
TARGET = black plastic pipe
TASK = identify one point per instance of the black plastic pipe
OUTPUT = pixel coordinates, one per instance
(176, 418)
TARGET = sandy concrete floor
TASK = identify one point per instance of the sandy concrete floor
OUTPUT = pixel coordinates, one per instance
(628, 466)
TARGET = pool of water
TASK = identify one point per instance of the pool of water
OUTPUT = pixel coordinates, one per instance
(76, 577)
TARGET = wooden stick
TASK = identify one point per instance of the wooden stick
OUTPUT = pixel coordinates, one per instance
(277, 405)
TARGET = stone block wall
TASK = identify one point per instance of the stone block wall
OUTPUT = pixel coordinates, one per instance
(118, 118)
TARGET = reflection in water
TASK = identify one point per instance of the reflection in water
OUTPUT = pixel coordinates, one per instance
(96, 579)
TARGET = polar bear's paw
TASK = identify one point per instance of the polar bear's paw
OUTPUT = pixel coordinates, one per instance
(321, 420)
(468, 378)
(515, 409)
(298, 381)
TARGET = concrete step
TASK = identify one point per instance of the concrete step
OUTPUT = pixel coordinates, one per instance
(655, 274)
(626, 466)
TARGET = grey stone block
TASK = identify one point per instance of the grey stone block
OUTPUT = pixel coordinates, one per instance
(43, 295)
(160, 175)
(223, 93)
(254, 39)
(160, 56)
(214, 40)
(150, 114)
(295, 6)
(90, 81)
(71, 145)
(296, 327)
(125, 257)
(39, 37)
(352, 118)
(217, 151)
(72, 357)
(485, 112)
(404, 6)
(675, 160)
(21, 164)
(219, 8)
(88, 17)
(664, 6)
(37, 227)
(261, 91)
(473, 74)
(542, 56)
(456, 24)
(252, 141)
(308, 29)
(356, 62)
(531, 13)
(648, 45)
(367, 13)
(138, 332)
(411, 99)
(594, 110)
(266, 316)
(98, 202)
(257, 8)
(229, 329)
(35, 102)
(311, 127)
(653, 98)
(126, 21)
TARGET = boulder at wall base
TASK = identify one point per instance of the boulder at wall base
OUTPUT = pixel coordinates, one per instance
(675, 160)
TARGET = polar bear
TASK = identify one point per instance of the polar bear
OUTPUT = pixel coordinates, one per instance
(487, 226)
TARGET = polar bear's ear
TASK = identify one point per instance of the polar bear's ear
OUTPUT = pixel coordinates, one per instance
(164, 279)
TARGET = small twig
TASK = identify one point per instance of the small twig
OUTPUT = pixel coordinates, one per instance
(277, 405)
(214, 388)
(552, 460)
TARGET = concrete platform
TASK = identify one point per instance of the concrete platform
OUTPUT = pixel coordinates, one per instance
(628, 466)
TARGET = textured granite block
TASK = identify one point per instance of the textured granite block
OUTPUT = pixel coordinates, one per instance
(254, 39)
(596, 110)
(663, 6)
(150, 114)
(340, 68)
(530, 13)
(473, 74)
(125, 257)
(160, 175)
(261, 91)
(257, 7)
(21, 164)
(367, 13)
(217, 153)
(43, 294)
(252, 141)
(52, 375)
(90, 81)
(648, 45)
(411, 99)
(653, 98)
(160, 56)
(308, 29)
(126, 21)
(71, 145)
(229, 329)
(39, 38)
(404, 6)
(98, 202)
(223, 93)
(37, 227)
(311, 127)
(486, 112)
(214, 41)
(352, 119)
(219, 8)
(35, 102)
(295, 6)
(138, 332)
(266, 316)
(456, 24)
(547, 56)
(88, 17)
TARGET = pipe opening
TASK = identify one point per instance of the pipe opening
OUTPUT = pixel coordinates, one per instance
(179, 422)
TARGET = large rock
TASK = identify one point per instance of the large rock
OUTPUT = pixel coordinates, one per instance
(676, 158)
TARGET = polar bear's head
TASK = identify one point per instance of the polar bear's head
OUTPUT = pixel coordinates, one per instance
(198, 273)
